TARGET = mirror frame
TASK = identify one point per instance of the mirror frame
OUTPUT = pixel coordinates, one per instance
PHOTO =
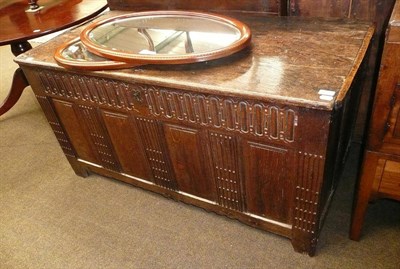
(140, 59)
(86, 65)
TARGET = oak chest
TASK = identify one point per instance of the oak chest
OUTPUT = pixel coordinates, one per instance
(259, 136)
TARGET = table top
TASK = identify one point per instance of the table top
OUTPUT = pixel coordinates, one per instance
(290, 61)
(18, 25)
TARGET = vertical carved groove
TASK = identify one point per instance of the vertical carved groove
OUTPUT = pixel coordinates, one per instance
(93, 93)
(229, 115)
(51, 83)
(225, 165)
(281, 125)
(243, 120)
(61, 89)
(117, 95)
(171, 105)
(258, 119)
(164, 100)
(156, 108)
(188, 108)
(103, 85)
(290, 119)
(99, 138)
(44, 81)
(202, 109)
(84, 88)
(70, 89)
(310, 173)
(97, 87)
(273, 122)
(56, 126)
(179, 107)
(214, 112)
(196, 108)
(155, 153)
(76, 92)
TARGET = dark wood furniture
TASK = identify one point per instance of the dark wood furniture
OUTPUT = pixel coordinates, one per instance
(259, 136)
(380, 176)
(19, 26)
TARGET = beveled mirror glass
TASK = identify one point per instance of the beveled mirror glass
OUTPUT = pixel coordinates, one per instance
(166, 37)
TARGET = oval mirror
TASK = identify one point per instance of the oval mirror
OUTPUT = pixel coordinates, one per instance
(166, 37)
(74, 54)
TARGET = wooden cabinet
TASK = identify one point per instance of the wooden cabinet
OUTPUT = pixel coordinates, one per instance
(380, 177)
(259, 136)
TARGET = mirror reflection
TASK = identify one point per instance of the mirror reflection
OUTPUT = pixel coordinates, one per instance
(171, 35)
(78, 52)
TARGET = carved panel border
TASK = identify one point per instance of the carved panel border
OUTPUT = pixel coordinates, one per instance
(95, 90)
(309, 180)
(245, 117)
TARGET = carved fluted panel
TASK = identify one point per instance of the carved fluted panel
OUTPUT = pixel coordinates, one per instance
(307, 192)
(99, 137)
(225, 165)
(246, 117)
(56, 126)
(155, 152)
(94, 90)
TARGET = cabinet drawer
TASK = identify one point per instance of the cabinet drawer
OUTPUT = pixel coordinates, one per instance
(390, 183)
